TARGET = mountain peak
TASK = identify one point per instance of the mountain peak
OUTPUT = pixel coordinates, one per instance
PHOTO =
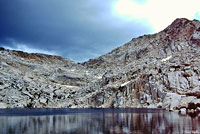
(160, 70)
(167, 42)
(182, 29)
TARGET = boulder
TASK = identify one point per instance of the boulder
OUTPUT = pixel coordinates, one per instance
(3, 105)
(173, 78)
(194, 81)
(183, 111)
(183, 83)
(198, 109)
(171, 101)
(185, 100)
(43, 100)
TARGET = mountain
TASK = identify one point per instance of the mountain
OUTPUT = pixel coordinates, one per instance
(153, 71)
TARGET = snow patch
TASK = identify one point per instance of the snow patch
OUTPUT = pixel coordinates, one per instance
(166, 59)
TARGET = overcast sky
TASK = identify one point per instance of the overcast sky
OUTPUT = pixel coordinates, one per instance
(85, 29)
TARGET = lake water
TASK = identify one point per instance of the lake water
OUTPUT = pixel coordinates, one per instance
(96, 121)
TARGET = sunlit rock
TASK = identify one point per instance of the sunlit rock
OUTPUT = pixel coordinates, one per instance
(183, 111)
(171, 101)
(3, 105)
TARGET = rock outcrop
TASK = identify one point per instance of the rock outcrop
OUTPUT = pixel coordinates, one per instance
(153, 71)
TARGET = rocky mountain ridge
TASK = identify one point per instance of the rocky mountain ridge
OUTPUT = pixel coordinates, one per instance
(154, 71)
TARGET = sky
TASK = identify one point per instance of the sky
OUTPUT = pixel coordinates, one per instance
(84, 29)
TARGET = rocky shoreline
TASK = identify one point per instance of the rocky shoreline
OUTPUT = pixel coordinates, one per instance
(152, 71)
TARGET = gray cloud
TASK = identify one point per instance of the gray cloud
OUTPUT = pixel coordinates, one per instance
(78, 30)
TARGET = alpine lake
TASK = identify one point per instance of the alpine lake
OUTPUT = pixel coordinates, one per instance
(97, 121)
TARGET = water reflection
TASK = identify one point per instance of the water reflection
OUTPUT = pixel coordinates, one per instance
(101, 123)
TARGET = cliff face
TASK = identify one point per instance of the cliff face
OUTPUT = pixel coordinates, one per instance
(160, 70)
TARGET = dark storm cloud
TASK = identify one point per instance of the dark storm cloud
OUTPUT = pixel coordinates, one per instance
(75, 29)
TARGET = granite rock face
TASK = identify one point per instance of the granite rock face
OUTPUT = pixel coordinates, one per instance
(154, 71)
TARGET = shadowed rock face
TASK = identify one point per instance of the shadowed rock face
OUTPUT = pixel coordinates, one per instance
(160, 70)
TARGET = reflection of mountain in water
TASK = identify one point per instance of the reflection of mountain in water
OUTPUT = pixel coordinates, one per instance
(105, 123)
